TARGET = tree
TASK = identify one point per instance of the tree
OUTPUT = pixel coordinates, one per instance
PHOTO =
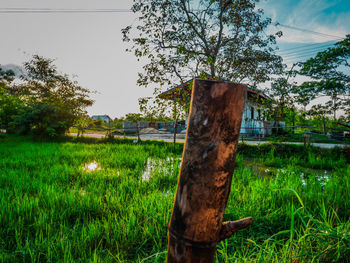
(165, 109)
(10, 104)
(280, 101)
(135, 118)
(184, 39)
(329, 71)
(320, 111)
(6, 77)
(83, 123)
(54, 102)
(157, 109)
(153, 109)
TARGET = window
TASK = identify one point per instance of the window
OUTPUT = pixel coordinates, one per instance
(252, 113)
(259, 114)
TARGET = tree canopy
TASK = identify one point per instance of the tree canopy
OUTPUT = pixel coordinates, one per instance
(50, 102)
(10, 105)
(330, 73)
(184, 39)
(6, 76)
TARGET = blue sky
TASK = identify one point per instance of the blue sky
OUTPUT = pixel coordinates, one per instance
(331, 18)
(90, 46)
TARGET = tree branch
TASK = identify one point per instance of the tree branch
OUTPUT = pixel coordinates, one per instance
(231, 227)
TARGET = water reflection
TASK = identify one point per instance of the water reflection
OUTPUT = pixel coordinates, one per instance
(92, 166)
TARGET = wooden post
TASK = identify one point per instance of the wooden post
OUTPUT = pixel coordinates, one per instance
(196, 225)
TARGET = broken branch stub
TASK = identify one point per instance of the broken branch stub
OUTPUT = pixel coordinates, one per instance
(206, 172)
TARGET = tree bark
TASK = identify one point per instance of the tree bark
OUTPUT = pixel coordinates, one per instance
(196, 225)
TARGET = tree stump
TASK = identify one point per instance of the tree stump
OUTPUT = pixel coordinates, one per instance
(196, 225)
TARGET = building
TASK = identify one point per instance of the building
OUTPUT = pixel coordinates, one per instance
(254, 119)
(253, 122)
(104, 118)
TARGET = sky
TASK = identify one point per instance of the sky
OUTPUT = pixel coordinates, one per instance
(89, 46)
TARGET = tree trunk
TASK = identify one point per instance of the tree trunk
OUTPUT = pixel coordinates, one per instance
(175, 131)
(335, 105)
(324, 125)
(175, 123)
(206, 172)
(138, 132)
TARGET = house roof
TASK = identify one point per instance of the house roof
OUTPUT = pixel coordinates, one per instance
(183, 91)
(100, 117)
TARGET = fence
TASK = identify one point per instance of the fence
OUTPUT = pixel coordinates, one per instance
(285, 133)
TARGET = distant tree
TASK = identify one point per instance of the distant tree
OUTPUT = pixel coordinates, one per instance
(83, 123)
(329, 71)
(41, 119)
(157, 109)
(183, 39)
(10, 104)
(135, 118)
(54, 102)
(98, 123)
(281, 99)
(6, 77)
(320, 112)
(152, 109)
(118, 122)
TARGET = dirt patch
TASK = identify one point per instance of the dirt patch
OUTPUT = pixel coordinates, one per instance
(150, 130)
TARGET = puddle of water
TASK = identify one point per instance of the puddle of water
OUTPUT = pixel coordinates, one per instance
(323, 179)
(163, 166)
(150, 166)
(92, 166)
(259, 168)
(322, 176)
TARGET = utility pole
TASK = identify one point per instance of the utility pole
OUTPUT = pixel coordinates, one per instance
(204, 184)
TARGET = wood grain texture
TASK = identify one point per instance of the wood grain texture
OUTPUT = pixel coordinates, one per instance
(206, 171)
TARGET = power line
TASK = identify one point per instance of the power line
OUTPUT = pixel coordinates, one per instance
(305, 54)
(120, 10)
(306, 47)
(306, 51)
(302, 55)
(309, 31)
(62, 10)
(301, 58)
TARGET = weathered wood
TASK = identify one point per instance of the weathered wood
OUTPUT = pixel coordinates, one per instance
(206, 172)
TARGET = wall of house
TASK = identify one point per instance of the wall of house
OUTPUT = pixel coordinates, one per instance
(253, 119)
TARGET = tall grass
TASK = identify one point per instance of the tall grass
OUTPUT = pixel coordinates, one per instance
(54, 209)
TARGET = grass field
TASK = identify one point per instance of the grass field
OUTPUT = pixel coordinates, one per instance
(83, 201)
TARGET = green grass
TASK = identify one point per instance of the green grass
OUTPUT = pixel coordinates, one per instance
(52, 209)
(299, 137)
